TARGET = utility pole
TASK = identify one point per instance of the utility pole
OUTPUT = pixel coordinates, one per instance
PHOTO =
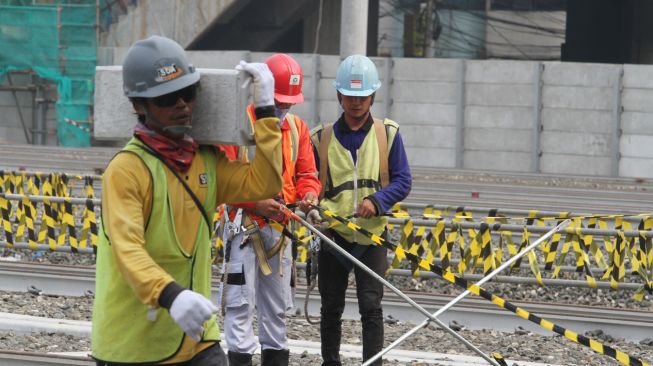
(353, 27)
(428, 33)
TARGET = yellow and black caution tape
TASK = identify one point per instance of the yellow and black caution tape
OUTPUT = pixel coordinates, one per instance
(596, 346)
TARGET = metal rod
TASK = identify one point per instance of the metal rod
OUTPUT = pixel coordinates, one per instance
(500, 211)
(19, 109)
(72, 200)
(391, 287)
(46, 248)
(467, 292)
(95, 177)
(520, 228)
(514, 279)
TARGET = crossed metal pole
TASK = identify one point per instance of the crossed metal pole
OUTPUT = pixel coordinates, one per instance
(446, 307)
(393, 288)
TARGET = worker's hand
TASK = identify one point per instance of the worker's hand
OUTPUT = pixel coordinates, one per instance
(313, 217)
(366, 209)
(310, 199)
(263, 82)
(271, 209)
(190, 310)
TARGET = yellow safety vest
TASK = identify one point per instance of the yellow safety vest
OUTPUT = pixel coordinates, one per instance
(121, 330)
(347, 184)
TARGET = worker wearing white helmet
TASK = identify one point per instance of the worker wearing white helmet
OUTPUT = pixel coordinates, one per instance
(364, 171)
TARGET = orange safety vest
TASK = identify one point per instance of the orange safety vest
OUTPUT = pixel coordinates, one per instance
(289, 148)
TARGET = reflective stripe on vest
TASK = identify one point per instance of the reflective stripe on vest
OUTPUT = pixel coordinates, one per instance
(121, 330)
(350, 183)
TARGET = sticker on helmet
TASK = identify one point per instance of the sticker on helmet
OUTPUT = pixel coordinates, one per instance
(356, 84)
(294, 79)
(167, 73)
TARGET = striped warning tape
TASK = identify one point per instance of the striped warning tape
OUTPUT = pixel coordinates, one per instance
(623, 358)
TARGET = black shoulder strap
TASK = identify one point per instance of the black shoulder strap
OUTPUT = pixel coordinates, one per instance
(190, 191)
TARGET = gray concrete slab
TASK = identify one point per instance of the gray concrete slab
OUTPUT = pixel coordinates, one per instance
(219, 115)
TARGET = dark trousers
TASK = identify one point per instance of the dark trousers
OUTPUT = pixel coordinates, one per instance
(212, 356)
(332, 281)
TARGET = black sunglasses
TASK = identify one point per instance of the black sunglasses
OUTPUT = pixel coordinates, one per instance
(188, 94)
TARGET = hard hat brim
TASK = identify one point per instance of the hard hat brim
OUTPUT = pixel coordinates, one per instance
(294, 99)
(167, 87)
(356, 93)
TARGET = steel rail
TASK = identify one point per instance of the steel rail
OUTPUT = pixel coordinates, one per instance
(404, 272)
(13, 358)
(296, 347)
(474, 313)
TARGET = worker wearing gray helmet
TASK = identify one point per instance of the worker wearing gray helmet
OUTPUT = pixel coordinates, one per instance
(152, 299)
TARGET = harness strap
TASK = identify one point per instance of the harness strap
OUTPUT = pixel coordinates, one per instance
(323, 152)
(382, 140)
(258, 246)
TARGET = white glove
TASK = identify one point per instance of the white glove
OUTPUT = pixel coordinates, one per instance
(313, 217)
(263, 82)
(190, 310)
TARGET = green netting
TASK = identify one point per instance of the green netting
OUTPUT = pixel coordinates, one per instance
(58, 41)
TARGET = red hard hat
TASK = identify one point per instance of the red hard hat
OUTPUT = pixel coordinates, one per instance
(288, 78)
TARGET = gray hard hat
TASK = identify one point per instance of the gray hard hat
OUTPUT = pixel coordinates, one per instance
(156, 66)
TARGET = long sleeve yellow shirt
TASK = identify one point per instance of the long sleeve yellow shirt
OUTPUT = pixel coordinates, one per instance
(127, 201)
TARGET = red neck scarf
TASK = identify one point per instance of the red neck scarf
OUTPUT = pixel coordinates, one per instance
(178, 154)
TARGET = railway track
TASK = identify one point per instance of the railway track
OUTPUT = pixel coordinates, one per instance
(473, 313)
(9, 358)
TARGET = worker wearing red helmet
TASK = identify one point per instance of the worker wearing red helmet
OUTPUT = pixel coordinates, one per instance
(258, 258)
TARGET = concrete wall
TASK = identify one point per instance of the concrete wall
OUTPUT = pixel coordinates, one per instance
(514, 116)
(181, 20)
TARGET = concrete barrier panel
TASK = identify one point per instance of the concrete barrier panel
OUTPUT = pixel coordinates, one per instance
(637, 146)
(425, 92)
(218, 59)
(576, 120)
(328, 111)
(425, 69)
(507, 161)
(495, 117)
(636, 167)
(497, 139)
(428, 136)
(499, 95)
(499, 72)
(219, 115)
(577, 97)
(637, 100)
(588, 144)
(579, 74)
(638, 76)
(637, 123)
(424, 114)
(432, 157)
(575, 164)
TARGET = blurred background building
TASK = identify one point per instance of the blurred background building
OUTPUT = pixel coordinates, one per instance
(49, 48)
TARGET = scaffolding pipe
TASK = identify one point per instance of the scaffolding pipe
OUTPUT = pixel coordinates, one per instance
(19, 109)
